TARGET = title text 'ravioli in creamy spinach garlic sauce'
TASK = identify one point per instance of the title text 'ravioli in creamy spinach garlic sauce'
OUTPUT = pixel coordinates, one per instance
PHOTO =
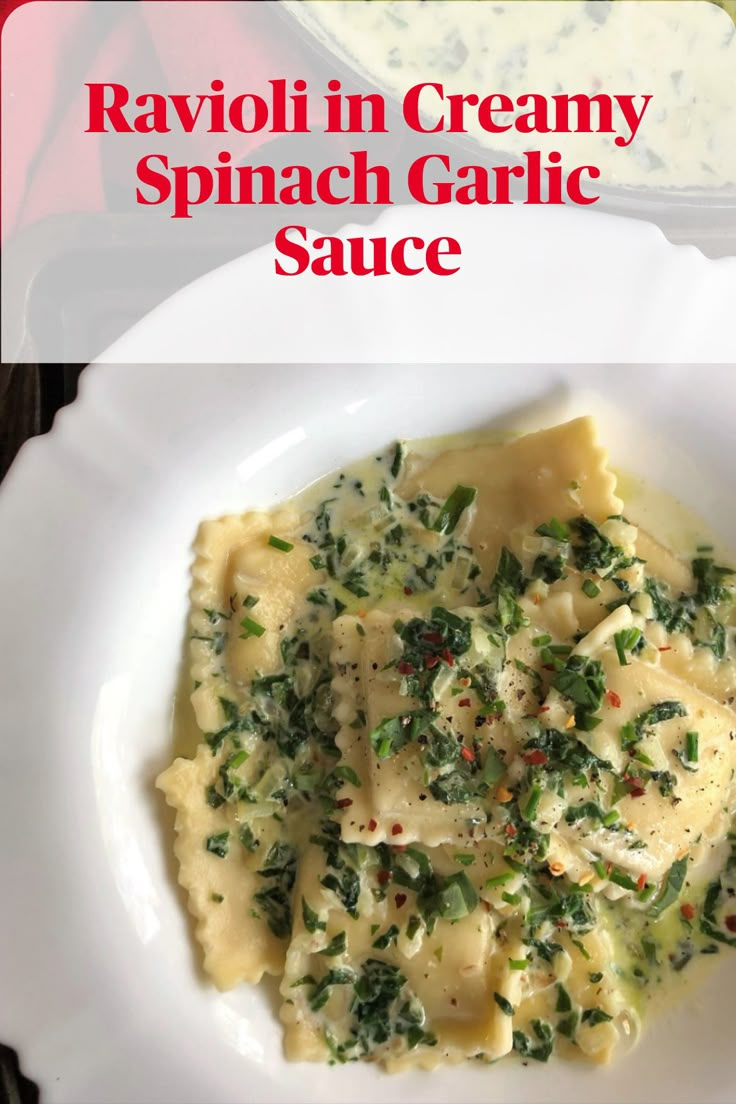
(465, 777)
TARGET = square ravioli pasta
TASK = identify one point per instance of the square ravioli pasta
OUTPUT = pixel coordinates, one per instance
(667, 755)
(220, 873)
(409, 957)
(465, 771)
(411, 966)
(426, 707)
(521, 483)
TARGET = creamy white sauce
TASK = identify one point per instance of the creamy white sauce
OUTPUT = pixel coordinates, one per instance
(682, 53)
(675, 525)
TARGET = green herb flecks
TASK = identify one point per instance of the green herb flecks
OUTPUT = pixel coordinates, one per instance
(398, 459)
(386, 939)
(321, 992)
(565, 753)
(625, 641)
(218, 844)
(451, 512)
(671, 888)
(591, 550)
(279, 869)
(336, 946)
(447, 898)
(507, 585)
(394, 733)
(634, 731)
(279, 544)
(575, 911)
(539, 1051)
(311, 919)
(251, 628)
(594, 1016)
(427, 644)
(581, 681)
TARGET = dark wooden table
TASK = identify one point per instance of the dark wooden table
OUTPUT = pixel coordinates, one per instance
(30, 396)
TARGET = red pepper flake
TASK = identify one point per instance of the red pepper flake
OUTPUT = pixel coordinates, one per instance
(408, 590)
(404, 668)
(384, 876)
(400, 899)
(641, 882)
(510, 830)
(560, 923)
(637, 790)
(486, 905)
(447, 656)
(372, 825)
(396, 829)
(464, 701)
(613, 699)
(667, 649)
(433, 637)
(543, 709)
(548, 667)
(399, 846)
(431, 661)
(535, 758)
(730, 922)
(344, 802)
(688, 911)
(467, 754)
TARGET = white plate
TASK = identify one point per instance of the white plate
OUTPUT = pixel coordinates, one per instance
(536, 284)
(100, 986)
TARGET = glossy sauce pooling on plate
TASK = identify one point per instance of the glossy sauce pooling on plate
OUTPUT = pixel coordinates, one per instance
(681, 53)
(465, 771)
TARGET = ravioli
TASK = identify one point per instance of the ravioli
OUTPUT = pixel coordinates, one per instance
(237, 945)
(450, 973)
(645, 718)
(234, 563)
(523, 483)
(465, 779)
(394, 798)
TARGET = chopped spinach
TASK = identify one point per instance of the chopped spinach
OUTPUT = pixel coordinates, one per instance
(447, 898)
(573, 911)
(336, 946)
(321, 993)
(450, 514)
(709, 924)
(275, 900)
(591, 550)
(671, 887)
(218, 844)
(594, 1016)
(389, 936)
(581, 680)
(311, 919)
(541, 1051)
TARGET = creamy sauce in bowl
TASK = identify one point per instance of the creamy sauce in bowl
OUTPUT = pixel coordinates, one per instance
(681, 52)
